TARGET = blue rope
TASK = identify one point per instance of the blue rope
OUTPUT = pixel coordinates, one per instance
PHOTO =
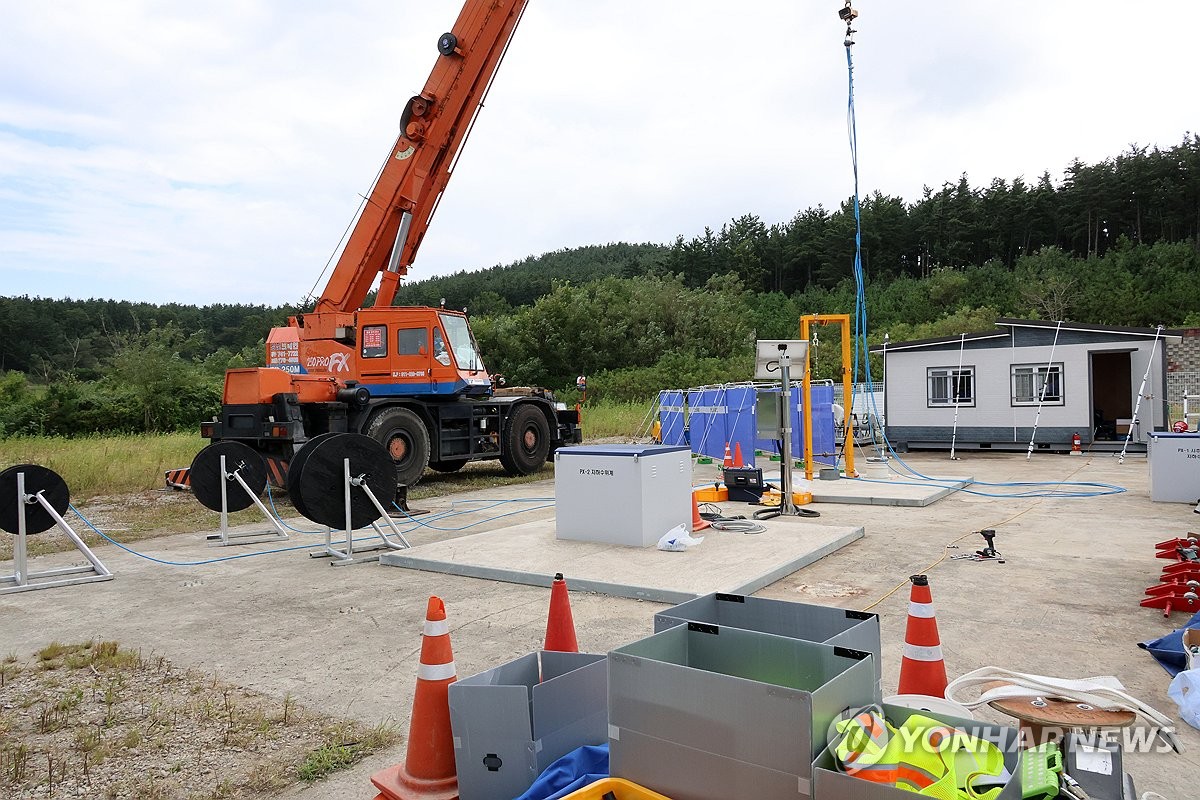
(862, 356)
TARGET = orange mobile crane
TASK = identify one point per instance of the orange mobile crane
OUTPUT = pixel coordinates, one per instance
(411, 378)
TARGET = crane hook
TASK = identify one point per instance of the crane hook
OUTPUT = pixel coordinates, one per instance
(848, 14)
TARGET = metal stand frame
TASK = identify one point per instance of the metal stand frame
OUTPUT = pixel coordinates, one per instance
(22, 579)
(806, 322)
(346, 555)
(225, 537)
(787, 505)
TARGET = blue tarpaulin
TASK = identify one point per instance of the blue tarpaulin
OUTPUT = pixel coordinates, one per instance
(825, 446)
(575, 770)
(740, 421)
(671, 417)
(1168, 650)
(706, 421)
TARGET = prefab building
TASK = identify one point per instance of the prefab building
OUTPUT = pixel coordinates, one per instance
(1085, 379)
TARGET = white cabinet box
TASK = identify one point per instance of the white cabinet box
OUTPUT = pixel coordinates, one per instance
(627, 494)
(1174, 467)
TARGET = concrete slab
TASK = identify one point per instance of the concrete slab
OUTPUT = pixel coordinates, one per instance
(884, 491)
(731, 562)
(877, 486)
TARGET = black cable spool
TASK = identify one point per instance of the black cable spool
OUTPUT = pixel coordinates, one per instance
(296, 465)
(207, 478)
(316, 481)
(37, 479)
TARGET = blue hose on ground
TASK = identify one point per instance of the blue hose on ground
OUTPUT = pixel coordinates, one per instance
(413, 520)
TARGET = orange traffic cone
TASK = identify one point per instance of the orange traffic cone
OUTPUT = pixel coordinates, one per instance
(428, 771)
(560, 625)
(699, 523)
(737, 456)
(922, 670)
(728, 462)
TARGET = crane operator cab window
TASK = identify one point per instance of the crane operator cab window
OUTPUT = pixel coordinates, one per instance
(461, 342)
(440, 353)
(374, 341)
(411, 341)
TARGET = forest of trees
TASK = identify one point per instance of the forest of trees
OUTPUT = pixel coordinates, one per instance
(1116, 243)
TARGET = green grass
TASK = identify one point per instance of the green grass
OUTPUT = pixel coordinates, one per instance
(102, 465)
(345, 745)
(606, 419)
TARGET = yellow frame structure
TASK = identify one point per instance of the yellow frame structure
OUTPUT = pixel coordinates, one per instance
(806, 322)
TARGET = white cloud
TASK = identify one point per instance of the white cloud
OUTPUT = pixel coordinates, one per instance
(215, 153)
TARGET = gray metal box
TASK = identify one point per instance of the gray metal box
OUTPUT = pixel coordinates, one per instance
(1174, 467)
(834, 626)
(702, 712)
(513, 721)
(829, 784)
(627, 494)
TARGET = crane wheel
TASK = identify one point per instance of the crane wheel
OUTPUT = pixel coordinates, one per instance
(406, 439)
(526, 441)
(447, 43)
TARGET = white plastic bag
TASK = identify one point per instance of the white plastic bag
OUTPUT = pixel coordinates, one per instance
(678, 539)
(1185, 691)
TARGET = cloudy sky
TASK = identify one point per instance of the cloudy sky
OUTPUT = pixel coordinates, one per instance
(214, 152)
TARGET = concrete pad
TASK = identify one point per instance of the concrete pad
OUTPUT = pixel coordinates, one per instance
(870, 491)
(726, 562)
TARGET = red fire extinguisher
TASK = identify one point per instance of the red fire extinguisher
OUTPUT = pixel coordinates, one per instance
(1075, 442)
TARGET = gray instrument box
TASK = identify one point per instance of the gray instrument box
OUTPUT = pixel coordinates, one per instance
(858, 630)
(703, 712)
(513, 721)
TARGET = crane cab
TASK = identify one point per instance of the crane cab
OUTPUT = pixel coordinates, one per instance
(418, 351)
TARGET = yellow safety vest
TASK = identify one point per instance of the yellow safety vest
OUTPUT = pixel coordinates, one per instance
(923, 755)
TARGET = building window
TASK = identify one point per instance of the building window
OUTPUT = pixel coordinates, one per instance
(374, 341)
(1032, 384)
(950, 386)
(411, 342)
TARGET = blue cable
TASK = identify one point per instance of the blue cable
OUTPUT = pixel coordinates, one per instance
(169, 563)
(443, 515)
(423, 524)
(863, 357)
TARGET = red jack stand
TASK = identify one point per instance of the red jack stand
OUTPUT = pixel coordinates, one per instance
(1175, 596)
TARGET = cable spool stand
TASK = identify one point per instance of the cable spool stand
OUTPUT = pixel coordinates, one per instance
(366, 472)
(212, 482)
(32, 500)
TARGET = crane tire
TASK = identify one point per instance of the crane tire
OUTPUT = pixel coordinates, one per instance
(526, 441)
(406, 439)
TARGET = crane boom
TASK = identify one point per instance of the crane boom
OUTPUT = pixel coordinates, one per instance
(433, 128)
(410, 378)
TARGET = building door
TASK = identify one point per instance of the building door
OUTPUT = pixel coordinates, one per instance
(1112, 395)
